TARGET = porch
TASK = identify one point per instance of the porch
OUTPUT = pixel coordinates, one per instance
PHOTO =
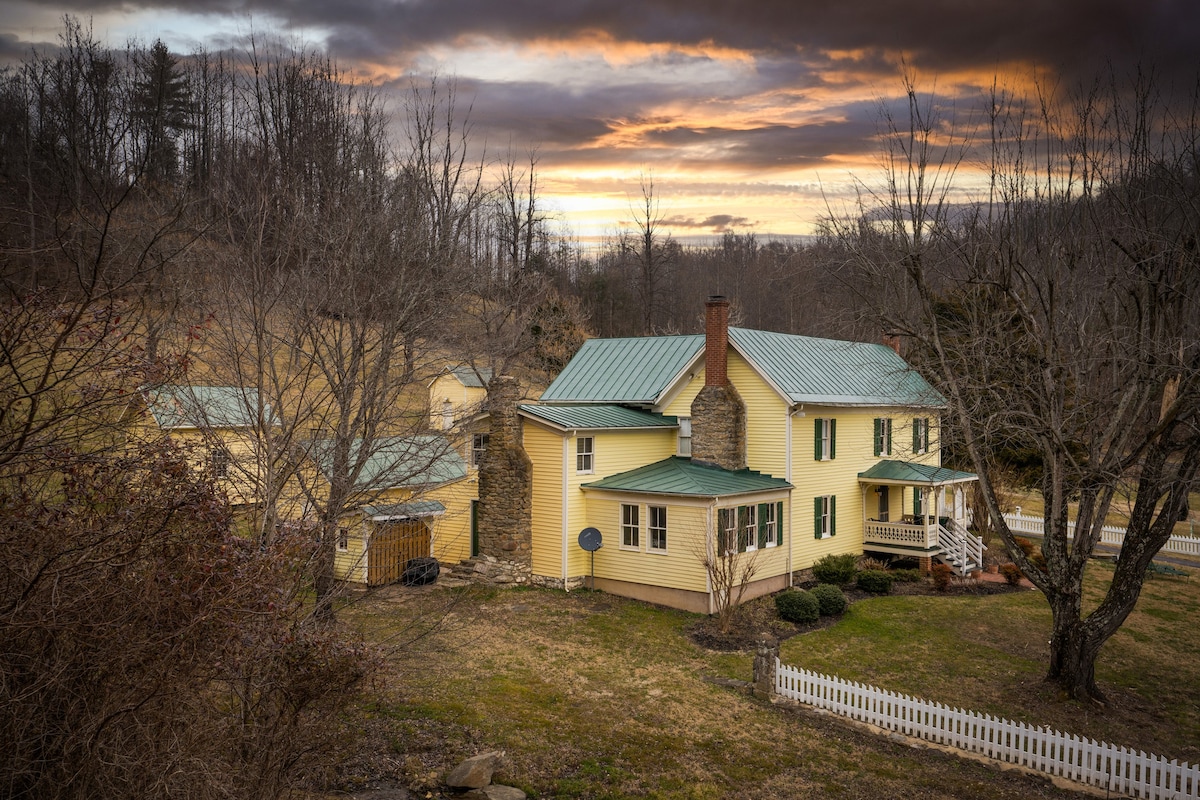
(919, 510)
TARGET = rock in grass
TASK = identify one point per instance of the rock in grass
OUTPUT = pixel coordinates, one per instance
(498, 792)
(475, 772)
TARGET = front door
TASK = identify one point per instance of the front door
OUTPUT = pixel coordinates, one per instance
(393, 543)
(883, 504)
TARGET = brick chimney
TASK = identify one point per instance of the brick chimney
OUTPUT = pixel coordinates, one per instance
(718, 413)
(716, 341)
(892, 340)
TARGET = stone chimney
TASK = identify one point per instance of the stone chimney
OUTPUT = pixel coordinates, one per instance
(505, 514)
(718, 413)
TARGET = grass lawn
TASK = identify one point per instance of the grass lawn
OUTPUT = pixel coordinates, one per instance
(593, 696)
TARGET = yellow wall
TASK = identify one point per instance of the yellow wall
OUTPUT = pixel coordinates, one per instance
(614, 451)
(839, 477)
(545, 448)
(465, 400)
(450, 532)
(679, 567)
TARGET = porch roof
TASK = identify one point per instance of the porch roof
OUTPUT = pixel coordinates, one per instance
(596, 417)
(909, 473)
(416, 508)
(682, 476)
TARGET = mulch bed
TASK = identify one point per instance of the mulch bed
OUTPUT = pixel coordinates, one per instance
(758, 616)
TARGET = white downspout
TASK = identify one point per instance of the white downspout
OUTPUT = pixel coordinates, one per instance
(565, 511)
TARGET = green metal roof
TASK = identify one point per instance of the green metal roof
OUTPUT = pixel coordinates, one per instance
(588, 417)
(417, 508)
(471, 377)
(682, 476)
(803, 369)
(182, 406)
(827, 371)
(396, 462)
(910, 473)
(633, 371)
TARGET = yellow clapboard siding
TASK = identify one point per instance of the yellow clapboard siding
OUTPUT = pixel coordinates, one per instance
(545, 449)
(766, 418)
(855, 453)
(615, 452)
(679, 567)
(452, 530)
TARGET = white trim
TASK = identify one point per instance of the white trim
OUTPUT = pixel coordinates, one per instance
(566, 456)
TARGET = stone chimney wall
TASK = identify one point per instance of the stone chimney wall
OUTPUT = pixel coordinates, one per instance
(718, 413)
(505, 513)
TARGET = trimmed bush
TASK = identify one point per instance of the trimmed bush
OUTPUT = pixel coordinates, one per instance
(797, 606)
(830, 599)
(875, 581)
(907, 575)
(1011, 573)
(835, 569)
(941, 576)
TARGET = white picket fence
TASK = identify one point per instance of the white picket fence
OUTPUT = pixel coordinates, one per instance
(1109, 534)
(1115, 769)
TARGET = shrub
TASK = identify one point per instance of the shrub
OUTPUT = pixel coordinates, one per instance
(875, 581)
(1011, 573)
(907, 575)
(797, 606)
(830, 599)
(941, 576)
(835, 569)
(867, 562)
(1025, 545)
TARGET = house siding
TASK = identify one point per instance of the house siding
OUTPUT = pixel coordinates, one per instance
(545, 449)
(680, 567)
(766, 419)
(855, 453)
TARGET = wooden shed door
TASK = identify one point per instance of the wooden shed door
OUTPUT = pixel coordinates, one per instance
(392, 545)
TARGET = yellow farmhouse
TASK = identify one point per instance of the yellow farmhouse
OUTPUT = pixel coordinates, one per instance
(782, 448)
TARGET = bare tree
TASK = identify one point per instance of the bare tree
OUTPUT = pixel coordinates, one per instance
(1059, 318)
(652, 256)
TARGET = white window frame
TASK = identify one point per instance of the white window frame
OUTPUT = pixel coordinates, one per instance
(826, 438)
(684, 447)
(219, 461)
(343, 540)
(771, 525)
(885, 436)
(728, 543)
(585, 457)
(751, 528)
(447, 415)
(479, 445)
(631, 526)
(654, 531)
(921, 435)
(826, 516)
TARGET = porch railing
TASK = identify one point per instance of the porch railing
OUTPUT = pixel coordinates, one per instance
(902, 534)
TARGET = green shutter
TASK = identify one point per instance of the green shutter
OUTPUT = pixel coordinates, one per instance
(779, 523)
(916, 502)
(817, 517)
(878, 436)
(741, 523)
(817, 438)
(762, 524)
(832, 439)
(832, 515)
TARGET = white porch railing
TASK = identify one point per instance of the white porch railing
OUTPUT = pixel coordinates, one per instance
(961, 549)
(901, 534)
(1109, 767)
(1109, 534)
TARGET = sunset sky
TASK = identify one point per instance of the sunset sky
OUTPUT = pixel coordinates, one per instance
(750, 116)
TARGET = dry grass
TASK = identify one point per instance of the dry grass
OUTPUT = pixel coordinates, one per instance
(594, 696)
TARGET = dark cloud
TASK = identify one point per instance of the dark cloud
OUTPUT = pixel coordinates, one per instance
(717, 222)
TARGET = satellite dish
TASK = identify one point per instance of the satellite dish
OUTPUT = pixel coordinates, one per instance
(590, 539)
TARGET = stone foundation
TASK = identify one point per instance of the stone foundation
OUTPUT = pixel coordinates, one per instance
(549, 582)
(492, 571)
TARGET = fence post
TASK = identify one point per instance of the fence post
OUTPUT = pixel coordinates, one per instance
(766, 654)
